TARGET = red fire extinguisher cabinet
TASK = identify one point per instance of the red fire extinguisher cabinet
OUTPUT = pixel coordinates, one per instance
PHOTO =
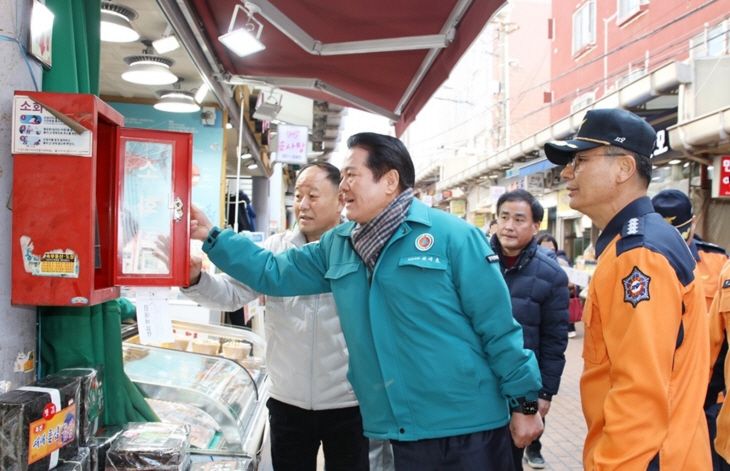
(95, 205)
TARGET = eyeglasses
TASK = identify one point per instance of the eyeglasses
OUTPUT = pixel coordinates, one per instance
(579, 158)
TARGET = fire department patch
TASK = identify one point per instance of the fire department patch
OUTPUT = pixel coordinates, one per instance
(636, 287)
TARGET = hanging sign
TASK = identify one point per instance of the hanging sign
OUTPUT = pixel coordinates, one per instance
(721, 178)
(292, 148)
(40, 130)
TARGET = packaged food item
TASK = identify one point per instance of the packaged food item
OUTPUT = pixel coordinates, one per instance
(79, 462)
(99, 444)
(202, 426)
(239, 464)
(150, 446)
(91, 400)
(252, 363)
(207, 346)
(39, 424)
(236, 350)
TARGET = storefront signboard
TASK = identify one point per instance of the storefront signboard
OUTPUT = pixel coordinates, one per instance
(721, 180)
(292, 147)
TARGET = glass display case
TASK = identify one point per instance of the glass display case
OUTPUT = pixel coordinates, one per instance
(192, 381)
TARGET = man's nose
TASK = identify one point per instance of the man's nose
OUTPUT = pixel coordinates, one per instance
(567, 172)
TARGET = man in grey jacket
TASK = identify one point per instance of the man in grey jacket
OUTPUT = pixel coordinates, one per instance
(306, 357)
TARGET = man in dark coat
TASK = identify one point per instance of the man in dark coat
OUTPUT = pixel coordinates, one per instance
(539, 291)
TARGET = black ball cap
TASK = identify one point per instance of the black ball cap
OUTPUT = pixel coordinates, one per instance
(605, 127)
(675, 207)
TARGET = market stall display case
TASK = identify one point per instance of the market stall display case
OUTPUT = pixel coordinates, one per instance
(223, 398)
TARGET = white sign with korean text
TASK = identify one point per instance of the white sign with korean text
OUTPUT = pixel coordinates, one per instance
(577, 277)
(154, 322)
(292, 148)
(38, 131)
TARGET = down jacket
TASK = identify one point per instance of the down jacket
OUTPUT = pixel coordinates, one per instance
(306, 355)
(538, 288)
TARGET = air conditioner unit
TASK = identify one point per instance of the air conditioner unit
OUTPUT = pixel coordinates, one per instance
(552, 177)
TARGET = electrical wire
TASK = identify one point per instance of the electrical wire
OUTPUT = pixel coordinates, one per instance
(576, 69)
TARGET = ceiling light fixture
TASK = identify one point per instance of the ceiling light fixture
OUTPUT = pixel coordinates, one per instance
(269, 109)
(167, 43)
(246, 40)
(674, 162)
(116, 23)
(149, 69)
(201, 92)
(252, 166)
(176, 100)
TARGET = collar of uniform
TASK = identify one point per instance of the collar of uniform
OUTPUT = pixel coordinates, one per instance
(418, 212)
(635, 209)
(694, 250)
(525, 255)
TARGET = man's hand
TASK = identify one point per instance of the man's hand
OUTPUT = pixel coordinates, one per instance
(525, 428)
(196, 266)
(543, 405)
(200, 225)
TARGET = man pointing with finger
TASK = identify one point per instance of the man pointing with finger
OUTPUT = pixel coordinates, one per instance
(436, 368)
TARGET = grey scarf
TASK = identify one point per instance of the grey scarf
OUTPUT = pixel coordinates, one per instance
(369, 239)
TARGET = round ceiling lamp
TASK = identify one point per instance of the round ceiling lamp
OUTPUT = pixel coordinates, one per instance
(116, 23)
(176, 101)
(148, 69)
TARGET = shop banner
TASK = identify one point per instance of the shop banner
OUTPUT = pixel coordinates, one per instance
(292, 147)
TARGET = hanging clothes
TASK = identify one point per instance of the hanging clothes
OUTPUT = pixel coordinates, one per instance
(244, 224)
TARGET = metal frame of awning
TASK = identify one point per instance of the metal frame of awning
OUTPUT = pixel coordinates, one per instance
(434, 43)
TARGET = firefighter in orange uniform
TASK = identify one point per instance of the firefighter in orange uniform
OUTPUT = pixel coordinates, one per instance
(676, 208)
(719, 324)
(645, 350)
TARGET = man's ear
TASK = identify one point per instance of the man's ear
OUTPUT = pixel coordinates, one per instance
(626, 168)
(392, 181)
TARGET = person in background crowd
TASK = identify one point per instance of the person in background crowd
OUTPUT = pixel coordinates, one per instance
(719, 325)
(492, 229)
(539, 291)
(548, 242)
(645, 348)
(434, 367)
(306, 357)
(676, 208)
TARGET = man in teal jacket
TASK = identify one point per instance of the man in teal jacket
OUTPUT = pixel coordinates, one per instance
(436, 358)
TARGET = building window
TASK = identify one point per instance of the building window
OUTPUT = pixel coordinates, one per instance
(713, 41)
(629, 9)
(582, 102)
(584, 27)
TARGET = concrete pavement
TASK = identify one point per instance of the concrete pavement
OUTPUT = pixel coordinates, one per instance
(565, 428)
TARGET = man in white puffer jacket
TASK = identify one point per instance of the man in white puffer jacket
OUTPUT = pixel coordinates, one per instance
(306, 357)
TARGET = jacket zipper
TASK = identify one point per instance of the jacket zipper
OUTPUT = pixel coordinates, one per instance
(315, 317)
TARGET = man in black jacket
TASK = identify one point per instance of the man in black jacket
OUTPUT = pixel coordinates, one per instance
(539, 291)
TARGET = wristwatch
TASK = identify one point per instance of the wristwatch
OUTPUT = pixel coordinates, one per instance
(213, 235)
(525, 407)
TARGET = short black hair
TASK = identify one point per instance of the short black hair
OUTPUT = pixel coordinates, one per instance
(538, 212)
(643, 162)
(548, 237)
(493, 222)
(333, 173)
(385, 153)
